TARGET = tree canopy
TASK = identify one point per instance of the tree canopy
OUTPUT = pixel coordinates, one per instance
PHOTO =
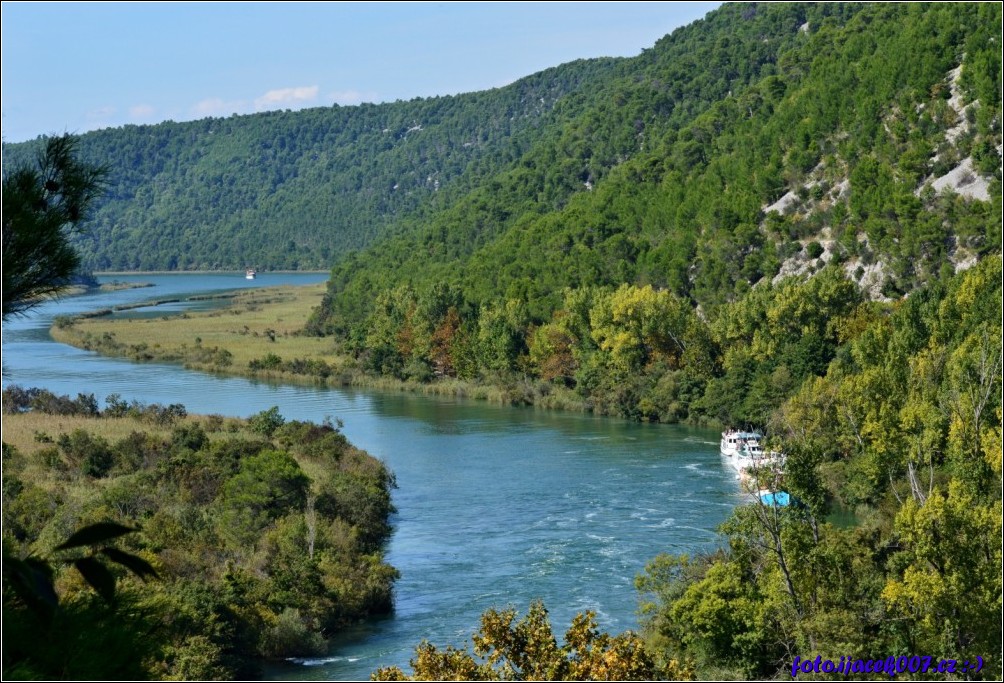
(525, 649)
(44, 203)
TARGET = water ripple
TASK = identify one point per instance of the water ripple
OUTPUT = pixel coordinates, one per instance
(498, 506)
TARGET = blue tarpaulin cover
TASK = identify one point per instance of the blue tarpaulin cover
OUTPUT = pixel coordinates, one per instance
(779, 499)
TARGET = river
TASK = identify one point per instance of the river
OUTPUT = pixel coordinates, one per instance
(496, 506)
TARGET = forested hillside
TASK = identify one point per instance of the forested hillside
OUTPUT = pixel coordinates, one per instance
(613, 235)
(905, 430)
(558, 188)
(288, 190)
(857, 142)
(818, 253)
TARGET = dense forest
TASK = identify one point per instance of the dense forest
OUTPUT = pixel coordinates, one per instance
(817, 253)
(662, 292)
(265, 537)
(904, 429)
(297, 190)
(890, 413)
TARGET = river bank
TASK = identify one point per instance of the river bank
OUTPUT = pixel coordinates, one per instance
(256, 334)
(497, 506)
(114, 286)
(227, 515)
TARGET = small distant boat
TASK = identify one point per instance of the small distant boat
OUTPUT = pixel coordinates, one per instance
(250, 274)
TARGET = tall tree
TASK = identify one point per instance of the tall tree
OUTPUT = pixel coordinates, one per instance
(43, 204)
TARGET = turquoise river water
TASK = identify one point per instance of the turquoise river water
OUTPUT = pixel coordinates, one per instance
(496, 506)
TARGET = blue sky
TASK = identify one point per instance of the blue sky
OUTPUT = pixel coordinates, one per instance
(74, 67)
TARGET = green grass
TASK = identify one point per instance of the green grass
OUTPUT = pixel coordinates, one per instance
(30, 432)
(256, 323)
(263, 322)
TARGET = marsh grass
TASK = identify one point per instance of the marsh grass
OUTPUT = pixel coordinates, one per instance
(27, 431)
(239, 338)
(254, 324)
(33, 431)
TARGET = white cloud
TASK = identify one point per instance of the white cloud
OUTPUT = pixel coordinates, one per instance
(216, 106)
(141, 112)
(350, 97)
(273, 99)
(286, 96)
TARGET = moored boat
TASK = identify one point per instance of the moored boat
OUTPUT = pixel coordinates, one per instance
(733, 441)
(744, 450)
(250, 274)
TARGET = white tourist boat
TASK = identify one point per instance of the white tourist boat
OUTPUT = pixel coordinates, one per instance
(733, 441)
(250, 274)
(744, 450)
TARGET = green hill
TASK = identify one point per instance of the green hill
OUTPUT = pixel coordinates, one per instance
(859, 142)
(816, 250)
(852, 115)
(598, 230)
(298, 189)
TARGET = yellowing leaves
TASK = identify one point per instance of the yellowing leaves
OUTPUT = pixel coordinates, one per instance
(507, 648)
(951, 581)
(639, 325)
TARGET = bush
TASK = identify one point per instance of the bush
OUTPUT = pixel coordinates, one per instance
(92, 453)
(267, 421)
(190, 436)
(292, 637)
(18, 400)
(417, 370)
(270, 362)
(138, 450)
(115, 406)
(164, 416)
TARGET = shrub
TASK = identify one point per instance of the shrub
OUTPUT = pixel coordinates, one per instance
(267, 421)
(814, 249)
(189, 436)
(92, 453)
(18, 400)
(291, 636)
(270, 362)
(164, 416)
(115, 406)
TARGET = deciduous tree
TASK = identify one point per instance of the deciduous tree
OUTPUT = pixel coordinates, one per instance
(508, 649)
